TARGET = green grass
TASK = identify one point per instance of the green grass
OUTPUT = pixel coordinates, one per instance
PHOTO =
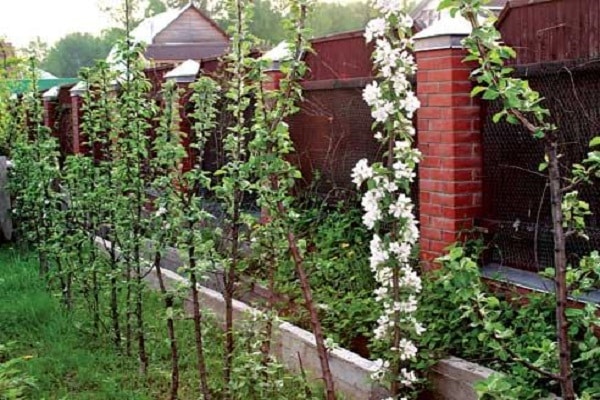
(66, 361)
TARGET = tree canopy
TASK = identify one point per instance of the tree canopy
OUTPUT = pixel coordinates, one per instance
(77, 50)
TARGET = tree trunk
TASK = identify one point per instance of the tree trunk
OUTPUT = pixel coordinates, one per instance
(197, 315)
(114, 312)
(139, 311)
(560, 279)
(314, 316)
(128, 310)
(229, 292)
(170, 328)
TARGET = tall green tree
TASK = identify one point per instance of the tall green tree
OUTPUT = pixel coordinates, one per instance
(328, 18)
(75, 51)
(154, 7)
(267, 22)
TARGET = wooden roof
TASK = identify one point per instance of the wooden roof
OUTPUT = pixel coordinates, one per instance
(179, 35)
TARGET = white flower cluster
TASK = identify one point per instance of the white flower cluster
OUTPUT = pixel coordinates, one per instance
(388, 210)
(361, 172)
(381, 367)
(395, 62)
(375, 29)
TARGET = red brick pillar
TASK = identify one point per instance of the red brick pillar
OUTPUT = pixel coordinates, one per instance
(76, 103)
(273, 76)
(449, 138)
(184, 75)
(50, 100)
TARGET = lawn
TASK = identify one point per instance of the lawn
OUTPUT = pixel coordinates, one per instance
(57, 353)
(57, 350)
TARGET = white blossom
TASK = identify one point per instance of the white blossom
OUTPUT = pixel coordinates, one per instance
(410, 104)
(381, 293)
(401, 251)
(386, 57)
(378, 254)
(402, 208)
(406, 21)
(381, 367)
(389, 6)
(410, 279)
(361, 172)
(407, 349)
(388, 211)
(400, 84)
(419, 328)
(375, 29)
(372, 93)
(370, 203)
(407, 378)
(382, 110)
(409, 306)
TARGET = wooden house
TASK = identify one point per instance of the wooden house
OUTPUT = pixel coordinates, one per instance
(178, 35)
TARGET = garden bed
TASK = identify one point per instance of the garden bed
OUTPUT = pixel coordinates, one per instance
(451, 379)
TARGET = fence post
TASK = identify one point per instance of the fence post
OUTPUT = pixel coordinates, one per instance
(449, 137)
(50, 102)
(184, 75)
(76, 103)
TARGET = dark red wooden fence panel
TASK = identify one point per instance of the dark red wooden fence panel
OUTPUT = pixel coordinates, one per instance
(340, 56)
(332, 131)
(543, 31)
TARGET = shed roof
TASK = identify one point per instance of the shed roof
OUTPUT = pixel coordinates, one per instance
(23, 85)
(147, 31)
(184, 51)
(149, 28)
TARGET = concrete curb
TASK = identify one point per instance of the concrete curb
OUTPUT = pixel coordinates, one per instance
(452, 379)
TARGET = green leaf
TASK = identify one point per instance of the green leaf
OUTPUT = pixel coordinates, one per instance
(595, 141)
(512, 119)
(498, 116)
(491, 94)
(476, 90)
(444, 4)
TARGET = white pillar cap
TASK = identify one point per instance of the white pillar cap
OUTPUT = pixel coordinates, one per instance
(186, 72)
(445, 33)
(79, 89)
(51, 94)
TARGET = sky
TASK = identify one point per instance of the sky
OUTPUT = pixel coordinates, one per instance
(21, 21)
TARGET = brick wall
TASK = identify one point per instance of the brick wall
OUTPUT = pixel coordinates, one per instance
(77, 140)
(449, 138)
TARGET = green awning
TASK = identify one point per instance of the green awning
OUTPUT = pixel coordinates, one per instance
(23, 85)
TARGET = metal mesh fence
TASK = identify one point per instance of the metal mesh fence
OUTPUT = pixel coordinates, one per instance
(331, 133)
(516, 200)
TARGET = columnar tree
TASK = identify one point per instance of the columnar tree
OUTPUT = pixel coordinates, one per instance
(523, 106)
(388, 210)
(275, 175)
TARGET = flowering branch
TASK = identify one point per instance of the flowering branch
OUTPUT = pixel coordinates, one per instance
(388, 209)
